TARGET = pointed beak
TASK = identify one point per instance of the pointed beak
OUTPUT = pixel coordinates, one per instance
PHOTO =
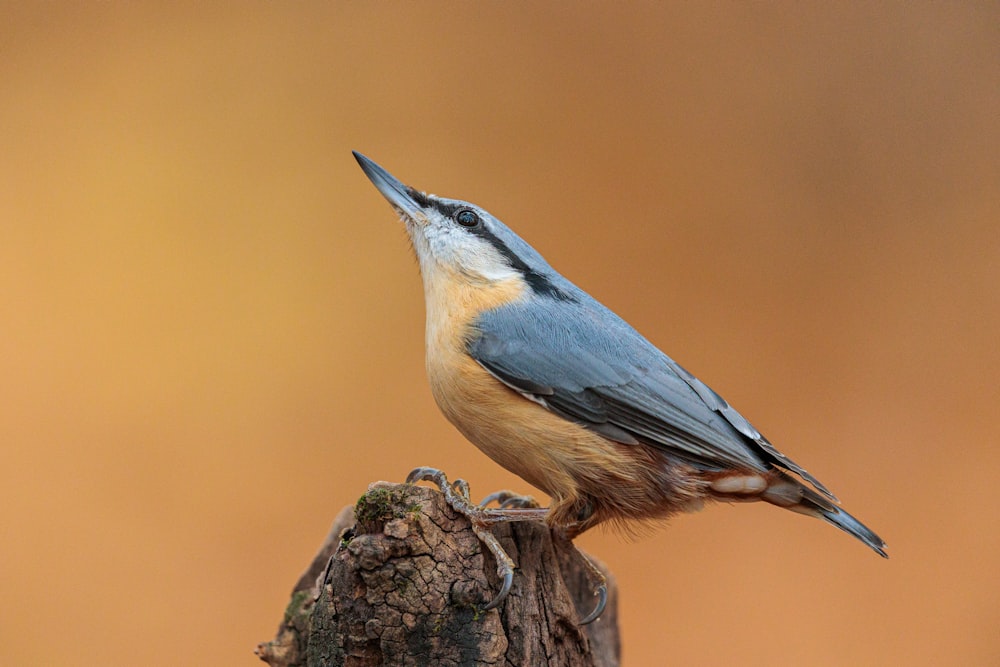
(392, 189)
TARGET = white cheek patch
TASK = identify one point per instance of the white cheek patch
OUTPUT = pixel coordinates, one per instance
(488, 263)
(464, 252)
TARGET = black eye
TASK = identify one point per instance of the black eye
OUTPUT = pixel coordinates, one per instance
(467, 218)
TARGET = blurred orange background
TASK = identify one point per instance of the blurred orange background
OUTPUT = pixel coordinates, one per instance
(211, 333)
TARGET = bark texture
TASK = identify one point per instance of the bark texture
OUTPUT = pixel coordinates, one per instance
(401, 580)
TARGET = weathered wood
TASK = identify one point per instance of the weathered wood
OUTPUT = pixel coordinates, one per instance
(401, 581)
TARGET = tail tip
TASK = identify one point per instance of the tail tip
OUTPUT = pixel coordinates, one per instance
(849, 524)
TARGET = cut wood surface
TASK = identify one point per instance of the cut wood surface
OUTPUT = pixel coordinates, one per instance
(401, 580)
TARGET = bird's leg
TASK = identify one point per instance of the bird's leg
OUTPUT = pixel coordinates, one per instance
(508, 499)
(513, 507)
(601, 591)
(457, 496)
(587, 518)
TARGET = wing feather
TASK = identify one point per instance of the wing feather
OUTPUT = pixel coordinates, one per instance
(589, 366)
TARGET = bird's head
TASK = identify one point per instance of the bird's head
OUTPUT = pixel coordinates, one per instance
(460, 236)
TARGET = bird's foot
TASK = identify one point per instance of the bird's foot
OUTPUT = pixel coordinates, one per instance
(601, 591)
(512, 507)
(508, 499)
(456, 494)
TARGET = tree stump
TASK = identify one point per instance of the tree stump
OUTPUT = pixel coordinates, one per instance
(402, 579)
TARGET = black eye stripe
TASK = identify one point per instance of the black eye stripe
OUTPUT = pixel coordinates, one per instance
(538, 282)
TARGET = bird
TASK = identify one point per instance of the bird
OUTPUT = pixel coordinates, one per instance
(555, 387)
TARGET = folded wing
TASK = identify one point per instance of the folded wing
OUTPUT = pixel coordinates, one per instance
(591, 367)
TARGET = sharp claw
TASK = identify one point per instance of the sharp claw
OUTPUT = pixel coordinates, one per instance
(424, 473)
(508, 579)
(505, 565)
(496, 496)
(601, 591)
(509, 499)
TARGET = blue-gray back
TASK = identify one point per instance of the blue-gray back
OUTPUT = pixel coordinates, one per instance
(570, 353)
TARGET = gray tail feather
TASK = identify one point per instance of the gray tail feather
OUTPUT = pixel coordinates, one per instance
(849, 524)
(789, 493)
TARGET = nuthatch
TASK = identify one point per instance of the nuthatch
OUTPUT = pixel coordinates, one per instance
(562, 392)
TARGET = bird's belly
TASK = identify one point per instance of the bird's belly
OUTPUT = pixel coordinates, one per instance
(581, 470)
(520, 435)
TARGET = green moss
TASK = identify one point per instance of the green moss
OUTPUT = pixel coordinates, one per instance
(296, 606)
(383, 504)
